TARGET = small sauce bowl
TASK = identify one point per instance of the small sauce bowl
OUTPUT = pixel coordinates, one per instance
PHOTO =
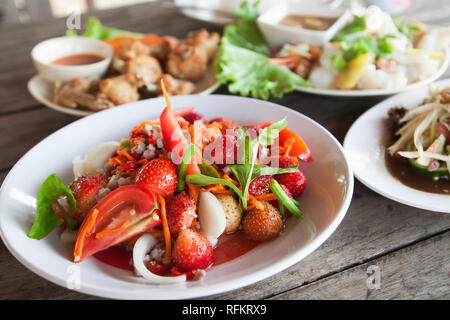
(278, 34)
(45, 53)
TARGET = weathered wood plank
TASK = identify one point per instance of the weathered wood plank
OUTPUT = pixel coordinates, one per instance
(373, 226)
(419, 271)
(20, 132)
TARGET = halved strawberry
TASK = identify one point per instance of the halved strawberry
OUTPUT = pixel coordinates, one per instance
(85, 190)
(159, 175)
(294, 181)
(191, 252)
(180, 210)
(262, 225)
(260, 185)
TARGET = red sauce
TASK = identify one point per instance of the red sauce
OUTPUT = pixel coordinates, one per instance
(229, 247)
(116, 256)
(78, 59)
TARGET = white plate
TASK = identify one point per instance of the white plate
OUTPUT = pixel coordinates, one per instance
(42, 91)
(380, 92)
(324, 202)
(365, 150)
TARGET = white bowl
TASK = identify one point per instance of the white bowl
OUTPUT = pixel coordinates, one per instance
(277, 34)
(324, 202)
(47, 51)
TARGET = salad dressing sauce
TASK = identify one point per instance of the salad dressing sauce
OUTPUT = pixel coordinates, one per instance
(406, 174)
(229, 247)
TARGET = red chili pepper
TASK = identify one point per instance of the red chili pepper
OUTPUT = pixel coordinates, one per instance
(130, 165)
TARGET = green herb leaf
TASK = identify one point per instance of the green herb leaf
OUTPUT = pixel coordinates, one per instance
(46, 219)
(358, 24)
(208, 170)
(182, 168)
(289, 203)
(202, 180)
(405, 28)
(339, 63)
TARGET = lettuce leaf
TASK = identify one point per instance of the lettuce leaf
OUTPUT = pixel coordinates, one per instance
(244, 63)
(94, 29)
(250, 73)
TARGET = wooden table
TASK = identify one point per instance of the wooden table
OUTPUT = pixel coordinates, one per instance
(409, 246)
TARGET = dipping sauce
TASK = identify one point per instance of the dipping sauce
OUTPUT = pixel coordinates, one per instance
(78, 59)
(307, 22)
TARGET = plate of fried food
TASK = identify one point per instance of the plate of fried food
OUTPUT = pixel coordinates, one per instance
(107, 67)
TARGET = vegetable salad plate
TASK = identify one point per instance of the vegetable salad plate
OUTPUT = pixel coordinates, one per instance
(386, 157)
(173, 224)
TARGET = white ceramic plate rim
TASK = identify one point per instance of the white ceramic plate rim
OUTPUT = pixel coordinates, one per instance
(380, 92)
(392, 188)
(41, 97)
(93, 289)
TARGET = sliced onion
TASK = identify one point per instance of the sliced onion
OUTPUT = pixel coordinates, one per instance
(432, 155)
(140, 249)
(211, 216)
(95, 159)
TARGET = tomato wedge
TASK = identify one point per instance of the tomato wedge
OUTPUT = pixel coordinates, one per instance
(299, 148)
(123, 213)
(174, 138)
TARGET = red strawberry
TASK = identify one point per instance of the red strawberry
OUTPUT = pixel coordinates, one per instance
(191, 252)
(159, 175)
(191, 117)
(157, 267)
(85, 190)
(260, 185)
(224, 150)
(180, 210)
(262, 225)
(276, 204)
(294, 181)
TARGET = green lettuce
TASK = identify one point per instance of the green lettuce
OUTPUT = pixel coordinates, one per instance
(94, 29)
(244, 63)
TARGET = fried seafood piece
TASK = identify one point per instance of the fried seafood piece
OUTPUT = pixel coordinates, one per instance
(169, 43)
(119, 89)
(175, 86)
(146, 70)
(77, 93)
(129, 50)
(187, 62)
(204, 40)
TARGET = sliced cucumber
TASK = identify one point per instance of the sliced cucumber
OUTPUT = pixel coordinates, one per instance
(441, 172)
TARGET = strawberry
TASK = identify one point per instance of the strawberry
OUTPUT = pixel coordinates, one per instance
(180, 210)
(159, 175)
(294, 181)
(260, 185)
(262, 225)
(276, 204)
(192, 116)
(191, 251)
(85, 190)
(224, 150)
(157, 267)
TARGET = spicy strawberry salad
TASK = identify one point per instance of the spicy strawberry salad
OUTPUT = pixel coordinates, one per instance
(179, 195)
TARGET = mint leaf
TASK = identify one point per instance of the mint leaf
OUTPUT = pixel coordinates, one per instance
(46, 219)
